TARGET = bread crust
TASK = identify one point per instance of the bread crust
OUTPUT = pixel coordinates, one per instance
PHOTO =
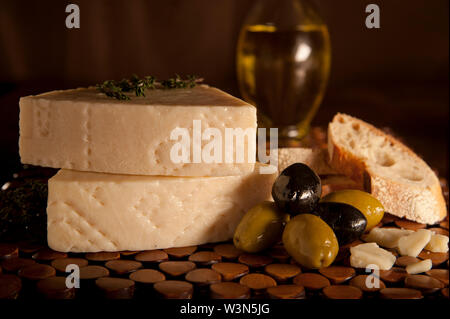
(414, 202)
(344, 162)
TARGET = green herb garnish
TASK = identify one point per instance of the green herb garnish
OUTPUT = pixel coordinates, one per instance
(117, 89)
(112, 89)
(179, 83)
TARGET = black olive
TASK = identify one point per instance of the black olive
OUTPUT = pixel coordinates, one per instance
(297, 190)
(347, 222)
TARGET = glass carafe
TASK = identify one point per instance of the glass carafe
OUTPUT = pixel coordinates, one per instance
(283, 63)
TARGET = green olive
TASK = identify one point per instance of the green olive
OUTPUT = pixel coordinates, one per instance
(371, 207)
(260, 228)
(310, 241)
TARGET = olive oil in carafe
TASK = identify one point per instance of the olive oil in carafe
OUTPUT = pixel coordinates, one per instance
(284, 73)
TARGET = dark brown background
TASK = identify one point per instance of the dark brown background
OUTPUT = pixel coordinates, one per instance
(396, 76)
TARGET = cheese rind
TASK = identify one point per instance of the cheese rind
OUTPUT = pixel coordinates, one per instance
(364, 255)
(90, 212)
(83, 129)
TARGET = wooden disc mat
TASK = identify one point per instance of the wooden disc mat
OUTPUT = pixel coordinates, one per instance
(214, 271)
(219, 270)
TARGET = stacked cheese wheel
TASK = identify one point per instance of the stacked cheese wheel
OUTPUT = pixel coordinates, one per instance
(120, 188)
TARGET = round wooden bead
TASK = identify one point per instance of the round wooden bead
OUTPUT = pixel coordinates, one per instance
(229, 290)
(230, 271)
(55, 288)
(61, 264)
(152, 256)
(342, 292)
(424, 283)
(147, 276)
(255, 261)
(410, 225)
(37, 272)
(180, 252)
(338, 274)
(93, 272)
(257, 281)
(205, 258)
(311, 281)
(436, 258)
(400, 293)
(116, 288)
(439, 274)
(203, 276)
(28, 247)
(393, 275)
(129, 252)
(102, 256)
(404, 261)
(282, 272)
(47, 254)
(174, 289)
(286, 292)
(361, 282)
(228, 251)
(176, 268)
(121, 267)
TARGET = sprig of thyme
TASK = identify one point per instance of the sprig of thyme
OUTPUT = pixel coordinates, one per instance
(112, 89)
(179, 83)
(117, 89)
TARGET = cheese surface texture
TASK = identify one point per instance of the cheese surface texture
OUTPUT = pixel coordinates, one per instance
(386, 237)
(83, 129)
(419, 267)
(367, 254)
(90, 212)
(437, 244)
(413, 244)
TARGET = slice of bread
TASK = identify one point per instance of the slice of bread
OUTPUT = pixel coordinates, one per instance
(394, 174)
